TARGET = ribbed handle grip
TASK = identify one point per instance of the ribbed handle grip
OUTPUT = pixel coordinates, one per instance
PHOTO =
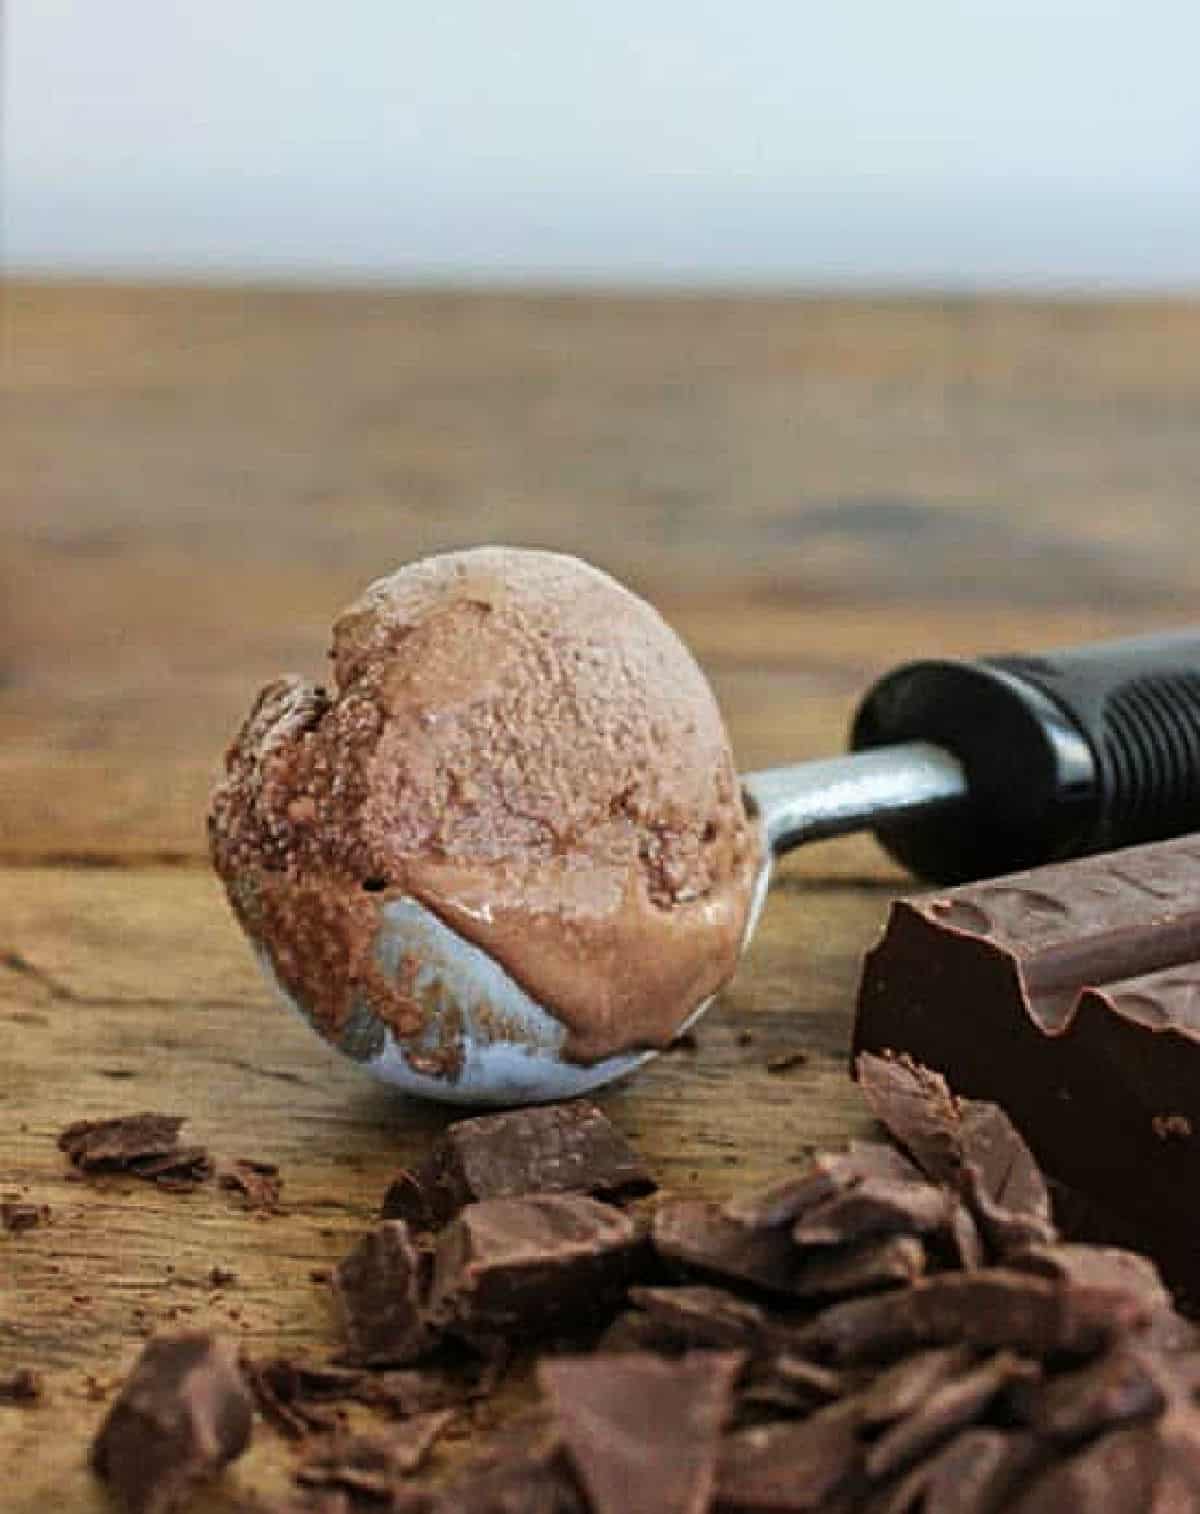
(1137, 703)
(1069, 753)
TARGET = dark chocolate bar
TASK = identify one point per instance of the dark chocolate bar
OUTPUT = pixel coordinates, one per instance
(1069, 994)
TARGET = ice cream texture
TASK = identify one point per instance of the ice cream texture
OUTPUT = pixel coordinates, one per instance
(524, 747)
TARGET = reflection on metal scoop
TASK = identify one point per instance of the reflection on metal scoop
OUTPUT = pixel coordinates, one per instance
(489, 1043)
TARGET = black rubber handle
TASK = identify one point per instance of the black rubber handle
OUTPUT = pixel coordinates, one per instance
(1073, 752)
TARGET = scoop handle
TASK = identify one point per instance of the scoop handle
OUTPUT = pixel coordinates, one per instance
(1066, 753)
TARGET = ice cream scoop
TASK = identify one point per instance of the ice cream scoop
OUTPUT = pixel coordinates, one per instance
(507, 858)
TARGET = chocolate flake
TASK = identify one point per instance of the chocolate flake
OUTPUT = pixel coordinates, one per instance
(643, 1433)
(554, 1148)
(183, 1413)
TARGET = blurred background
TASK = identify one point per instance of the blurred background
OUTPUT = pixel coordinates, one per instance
(941, 144)
(845, 333)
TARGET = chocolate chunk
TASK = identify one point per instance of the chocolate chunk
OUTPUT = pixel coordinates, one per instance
(182, 1414)
(23, 1386)
(508, 1267)
(1068, 995)
(146, 1145)
(786, 1386)
(258, 1184)
(970, 1145)
(16, 1216)
(948, 1408)
(900, 1390)
(699, 1316)
(989, 1309)
(554, 1148)
(791, 1468)
(370, 1467)
(641, 1432)
(1151, 1468)
(700, 1237)
(1095, 1267)
(974, 1473)
(827, 1174)
(1123, 1385)
(868, 1266)
(875, 1207)
(380, 1289)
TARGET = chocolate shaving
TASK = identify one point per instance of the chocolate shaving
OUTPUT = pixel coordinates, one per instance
(641, 1432)
(183, 1413)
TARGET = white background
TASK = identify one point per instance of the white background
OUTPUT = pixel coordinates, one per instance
(847, 142)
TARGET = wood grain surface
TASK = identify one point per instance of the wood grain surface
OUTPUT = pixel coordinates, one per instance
(194, 482)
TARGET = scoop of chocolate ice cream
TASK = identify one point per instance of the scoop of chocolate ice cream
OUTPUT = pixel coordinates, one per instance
(525, 748)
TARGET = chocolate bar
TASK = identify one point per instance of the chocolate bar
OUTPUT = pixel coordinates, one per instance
(1069, 994)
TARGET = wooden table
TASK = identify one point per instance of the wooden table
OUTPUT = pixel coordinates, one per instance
(194, 482)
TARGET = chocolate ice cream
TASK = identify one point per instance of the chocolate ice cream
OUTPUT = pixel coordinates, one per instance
(525, 748)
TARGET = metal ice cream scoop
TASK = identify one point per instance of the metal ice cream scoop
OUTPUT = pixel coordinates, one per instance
(963, 769)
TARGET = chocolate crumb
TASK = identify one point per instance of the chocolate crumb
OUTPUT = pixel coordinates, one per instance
(23, 1386)
(258, 1184)
(221, 1277)
(784, 1061)
(18, 1216)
